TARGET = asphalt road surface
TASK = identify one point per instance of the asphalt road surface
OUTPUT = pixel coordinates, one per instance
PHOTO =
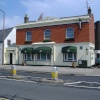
(23, 90)
(45, 75)
(72, 81)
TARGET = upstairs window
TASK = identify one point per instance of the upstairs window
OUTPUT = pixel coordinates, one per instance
(69, 33)
(47, 34)
(28, 36)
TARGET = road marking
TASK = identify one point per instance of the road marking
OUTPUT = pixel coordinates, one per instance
(36, 77)
(72, 83)
(82, 84)
(3, 99)
(18, 80)
(2, 76)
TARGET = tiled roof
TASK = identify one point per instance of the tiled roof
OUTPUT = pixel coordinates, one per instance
(6, 33)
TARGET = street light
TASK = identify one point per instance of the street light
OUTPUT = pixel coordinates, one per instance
(3, 35)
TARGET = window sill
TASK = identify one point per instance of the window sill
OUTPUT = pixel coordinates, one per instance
(29, 60)
(70, 39)
(44, 60)
(70, 61)
(46, 40)
(28, 41)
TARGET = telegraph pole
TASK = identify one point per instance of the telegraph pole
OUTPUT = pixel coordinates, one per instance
(3, 36)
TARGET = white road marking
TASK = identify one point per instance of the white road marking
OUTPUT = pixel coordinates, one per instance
(90, 82)
(2, 76)
(3, 99)
(36, 77)
(18, 80)
(75, 84)
(72, 83)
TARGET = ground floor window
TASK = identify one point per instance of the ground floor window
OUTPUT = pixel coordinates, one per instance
(43, 56)
(28, 56)
(69, 56)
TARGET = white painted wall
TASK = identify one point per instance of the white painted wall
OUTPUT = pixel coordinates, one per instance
(14, 51)
(57, 55)
(81, 54)
(11, 36)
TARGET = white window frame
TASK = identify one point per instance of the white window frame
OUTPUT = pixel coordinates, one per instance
(66, 58)
(28, 58)
(69, 32)
(28, 38)
(40, 58)
(47, 35)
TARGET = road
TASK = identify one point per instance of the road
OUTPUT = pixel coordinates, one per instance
(17, 90)
(45, 75)
(72, 80)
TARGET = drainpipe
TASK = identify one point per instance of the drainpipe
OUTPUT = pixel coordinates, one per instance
(52, 56)
(18, 54)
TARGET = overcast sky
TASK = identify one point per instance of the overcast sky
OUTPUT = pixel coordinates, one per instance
(16, 9)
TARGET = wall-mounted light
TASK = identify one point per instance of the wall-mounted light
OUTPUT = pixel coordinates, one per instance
(86, 50)
(80, 24)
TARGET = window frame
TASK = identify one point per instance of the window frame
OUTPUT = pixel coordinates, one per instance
(68, 59)
(26, 56)
(27, 37)
(40, 57)
(69, 33)
(45, 35)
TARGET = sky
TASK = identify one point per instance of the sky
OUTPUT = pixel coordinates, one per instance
(15, 10)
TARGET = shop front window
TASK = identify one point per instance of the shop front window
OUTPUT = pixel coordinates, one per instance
(43, 56)
(69, 56)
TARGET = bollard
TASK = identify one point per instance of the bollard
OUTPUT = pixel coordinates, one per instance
(13, 70)
(55, 73)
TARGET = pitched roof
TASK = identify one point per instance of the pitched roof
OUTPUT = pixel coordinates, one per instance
(6, 33)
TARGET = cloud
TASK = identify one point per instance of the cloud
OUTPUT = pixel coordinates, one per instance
(56, 8)
(11, 22)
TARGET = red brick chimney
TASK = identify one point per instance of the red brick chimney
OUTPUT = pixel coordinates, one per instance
(26, 19)
(89, 11)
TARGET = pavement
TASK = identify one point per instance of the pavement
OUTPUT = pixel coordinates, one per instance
(94, 71)
(48, 69)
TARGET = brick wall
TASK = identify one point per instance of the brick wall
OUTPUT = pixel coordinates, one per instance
(91, 30)
(58, 33)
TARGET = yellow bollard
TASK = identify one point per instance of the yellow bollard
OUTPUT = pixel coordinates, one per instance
(55, 73)
(13, 70)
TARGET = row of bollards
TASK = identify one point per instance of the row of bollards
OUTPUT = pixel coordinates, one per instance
(54, 72)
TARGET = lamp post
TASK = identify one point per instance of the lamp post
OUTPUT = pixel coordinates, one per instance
(3, 35)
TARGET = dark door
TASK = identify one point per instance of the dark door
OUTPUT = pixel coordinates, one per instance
(11, 58)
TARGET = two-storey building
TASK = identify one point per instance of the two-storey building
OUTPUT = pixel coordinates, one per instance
(57, 41)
